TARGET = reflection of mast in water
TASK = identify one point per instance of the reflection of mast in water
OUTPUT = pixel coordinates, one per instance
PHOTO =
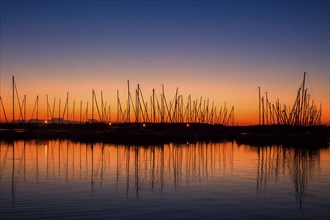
(102, 161)
(303, 162)
(37, 166)
(206, 161)
(154, 167)
(232, 157)
(127, 151)
(53, 159)
(117, 170)
(268, 166)
(152, 155)
(67, 162)
(59, 159)
(24, 160)
(80, 161)
(136, 175)
(86, 159)
(273, 160)
(260, 171)
(162, 170)
(15, 171)
(46, 155)
(175, 166)
(200, 159)
(13, 175)
(73, 149)
(211, 145)
(92, 176)
(226, 157)
(188, 163)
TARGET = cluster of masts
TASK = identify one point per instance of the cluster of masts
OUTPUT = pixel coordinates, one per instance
(303, 112)
(177, 110)
(159, 109)
(135, 109)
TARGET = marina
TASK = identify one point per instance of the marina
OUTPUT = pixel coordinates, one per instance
(164, 110)
(168, 121)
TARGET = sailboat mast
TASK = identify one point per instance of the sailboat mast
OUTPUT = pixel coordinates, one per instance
(301, 112)
(128, 102)
(259, 106)
(13, 81)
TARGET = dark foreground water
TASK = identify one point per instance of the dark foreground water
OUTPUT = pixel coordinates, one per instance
(66, 180)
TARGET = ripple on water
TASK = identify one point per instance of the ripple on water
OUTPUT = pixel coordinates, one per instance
(197, 181)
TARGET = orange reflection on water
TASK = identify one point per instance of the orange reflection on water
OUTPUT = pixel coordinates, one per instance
(171, 166)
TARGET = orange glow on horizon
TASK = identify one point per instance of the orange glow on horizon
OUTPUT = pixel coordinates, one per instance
(245, 103)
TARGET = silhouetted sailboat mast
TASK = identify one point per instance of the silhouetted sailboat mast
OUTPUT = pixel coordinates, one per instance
(13, 81)
(160, 109)
(302, 113)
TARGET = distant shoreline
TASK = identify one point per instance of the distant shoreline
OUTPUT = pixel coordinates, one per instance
(160, 133)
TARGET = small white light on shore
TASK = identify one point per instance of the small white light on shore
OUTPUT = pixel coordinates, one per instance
(110, 123)
(46, 122)
(143, 125)
(187, 125)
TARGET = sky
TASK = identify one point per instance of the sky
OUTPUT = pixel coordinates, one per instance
(221, 50)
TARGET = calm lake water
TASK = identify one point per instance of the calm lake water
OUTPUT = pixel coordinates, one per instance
(67, 180)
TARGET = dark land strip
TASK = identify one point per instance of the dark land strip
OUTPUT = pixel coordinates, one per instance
(161, 133)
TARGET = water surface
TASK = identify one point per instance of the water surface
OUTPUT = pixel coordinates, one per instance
(67, 180)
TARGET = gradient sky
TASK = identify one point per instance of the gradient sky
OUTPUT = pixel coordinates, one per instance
(222, 50)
